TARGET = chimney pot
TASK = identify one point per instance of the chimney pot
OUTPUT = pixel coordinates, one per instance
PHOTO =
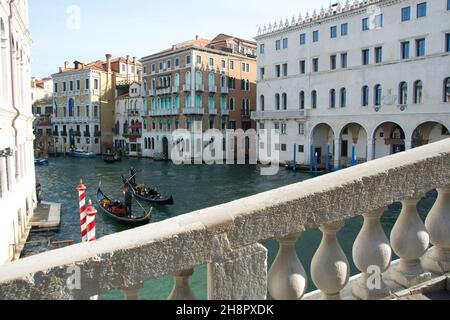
(196, 37)
(108, 61)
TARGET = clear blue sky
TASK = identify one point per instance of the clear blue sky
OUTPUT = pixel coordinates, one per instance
(142, 27)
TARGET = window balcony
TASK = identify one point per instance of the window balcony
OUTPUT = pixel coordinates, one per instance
(86, 134)
(164, 112)
(132, 135)
(224, 90)
(96, 92)
(87, 92)
(77, 93)
(280, 115)
(97, 134)
(151, 92)
(163, 91)
(64, 94)
(175, 89)
(225, 111)
(187, 87)
(55, 94)
(77, 133)
(63, 133)
(212, 89)
(213, 111)
(199, 87)
(193, 111)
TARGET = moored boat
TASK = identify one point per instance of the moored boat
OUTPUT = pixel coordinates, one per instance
(116, 212)
(77, 153)
(41, 162)
(148, 194)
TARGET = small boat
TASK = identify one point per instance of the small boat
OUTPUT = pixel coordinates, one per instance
(41, 162)
(109, 158)
(148, 194)
(115, 211)
(305, 168)
(77, 153)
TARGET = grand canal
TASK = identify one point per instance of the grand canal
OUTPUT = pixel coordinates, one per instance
(193, 187)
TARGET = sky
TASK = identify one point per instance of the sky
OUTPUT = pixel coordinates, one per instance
(85, 30)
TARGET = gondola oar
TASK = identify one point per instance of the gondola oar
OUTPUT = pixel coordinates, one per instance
(142, 207)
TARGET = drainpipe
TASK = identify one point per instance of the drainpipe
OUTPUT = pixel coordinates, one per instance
(13, 89)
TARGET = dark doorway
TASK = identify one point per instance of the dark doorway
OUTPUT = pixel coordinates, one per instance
(318, 151)
(344, 149)
(165, 143)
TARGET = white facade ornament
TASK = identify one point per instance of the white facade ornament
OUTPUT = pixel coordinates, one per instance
(410, 241)
(293, 21)
(372, 256)
(307, 15)
(300, 18)
(330, 270)
(287, 277)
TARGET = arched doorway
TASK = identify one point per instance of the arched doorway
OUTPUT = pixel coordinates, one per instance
(165, 143)
(429, 132)
(323, 139)
(389, 138)
(354, 150)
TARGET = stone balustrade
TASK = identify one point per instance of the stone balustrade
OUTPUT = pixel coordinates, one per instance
(227, 239)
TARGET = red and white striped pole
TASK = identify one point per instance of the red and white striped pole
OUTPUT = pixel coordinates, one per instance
(82, 202)
(90, 213)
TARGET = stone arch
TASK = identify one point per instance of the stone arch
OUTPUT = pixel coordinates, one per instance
(389, 137)
(429, 132)
(322, 134)
(353, 134)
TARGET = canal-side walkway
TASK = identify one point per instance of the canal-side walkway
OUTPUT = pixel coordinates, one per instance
(47, 217)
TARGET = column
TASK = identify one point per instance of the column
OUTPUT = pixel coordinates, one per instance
(337, 153)
(438, 225)
(287, 277)
(242, 276)
(370, 149)
(330, 269)
(181, 289)
(410, 241)
(408, 144)
(372, 256)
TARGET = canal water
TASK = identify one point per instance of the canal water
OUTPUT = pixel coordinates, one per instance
(193, 187)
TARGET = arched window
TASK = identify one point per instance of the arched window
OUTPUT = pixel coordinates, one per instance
(125, 127)
(343, 99)
(223, 81)
(418, 87)
(187, 78)
(177, 79)
(447, 90)
(211, 80)
(231, 104)
(365, 96)
(70, 107)
(284, 101)
(198, 78)
(403, 93)
(153, 143)
(332, 98)
(146, 143)
(277, 101)
(314, 99)
(302, 100)
(378, 92)
(261, 102)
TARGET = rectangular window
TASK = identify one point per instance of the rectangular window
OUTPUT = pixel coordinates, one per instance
(223, 63)
(78, 84)
(379, 21)
(301, 129)
(71, 86)
(283, 128)
(302, 67)
(447, 42)
(316, 65)
(344, 60)
(55, 87)
(301, 148)
(277, 45)
(188, 60)
(277, 71)
(261, 48)
(406, 14)
(333, 32)
(378, 55)
(211, 62)
(95, 84)
(285, 43)
(177, 62)
(261, 73)
(422, 10)
(344, 29)
(64, 86)
(365, 24)
(420, 47)
(285, 70)
(283, 147)
(199, 59)
(333, 62)
(232, 65)
(448, 4)
(365, 57)
(405, 50)
(169, 64)
(87, 84)
(153, 67)
(316, 36)
(303, 38)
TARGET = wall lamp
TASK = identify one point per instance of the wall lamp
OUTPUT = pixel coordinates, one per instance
(8, 152)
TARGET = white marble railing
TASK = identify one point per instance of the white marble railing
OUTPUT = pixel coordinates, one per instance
(227, 239)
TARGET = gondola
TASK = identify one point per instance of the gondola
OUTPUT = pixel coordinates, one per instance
(152, 197)
(109, 158)
(103, 200)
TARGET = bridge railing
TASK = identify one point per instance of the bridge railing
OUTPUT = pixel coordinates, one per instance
(227, 239)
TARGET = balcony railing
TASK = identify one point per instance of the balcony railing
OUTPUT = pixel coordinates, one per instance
(97, 134)
(227, 238)
(163, 91)
(77, 134)
(164, 112)
(199, 87)
(151, 92)
(175, 89)
(86, 134)
(213, 111)
(225, 111)
(279, 115)
(132, 135)
(187, 87)
(224, 90)
(212, 89)
(193, 111)
(63, 133)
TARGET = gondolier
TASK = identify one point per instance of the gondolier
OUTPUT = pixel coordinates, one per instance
(128, 200)
(132, 176)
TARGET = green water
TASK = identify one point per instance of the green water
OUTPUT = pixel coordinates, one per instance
(193, 187)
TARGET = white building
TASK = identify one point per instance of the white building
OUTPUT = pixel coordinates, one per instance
(129, 111)
(17, 177)
(374, 75)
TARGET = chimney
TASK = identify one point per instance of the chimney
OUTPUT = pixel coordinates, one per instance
(60, 69)
(66, 64)
(128, 58)
(134, 60)
(108, 61)
(196, 37)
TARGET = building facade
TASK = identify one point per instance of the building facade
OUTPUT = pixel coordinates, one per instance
(129, 119)
(208, 82)
(363, 79)
(17, 177)
(42, 99)
(84, 102)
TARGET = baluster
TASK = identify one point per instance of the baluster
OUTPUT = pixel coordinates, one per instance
(438, 226)
(132, 293)
(181, 289)
(410, 241)
(372, 256)
(330, 268)
(287, 277)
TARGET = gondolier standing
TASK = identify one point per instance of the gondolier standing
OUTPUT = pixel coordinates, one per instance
(128, 200)
(132, 176)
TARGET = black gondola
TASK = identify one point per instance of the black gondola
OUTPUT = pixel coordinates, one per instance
(109, 158)
(151, 196)
(124, 220)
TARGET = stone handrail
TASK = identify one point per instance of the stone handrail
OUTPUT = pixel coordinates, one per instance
(226, 237)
